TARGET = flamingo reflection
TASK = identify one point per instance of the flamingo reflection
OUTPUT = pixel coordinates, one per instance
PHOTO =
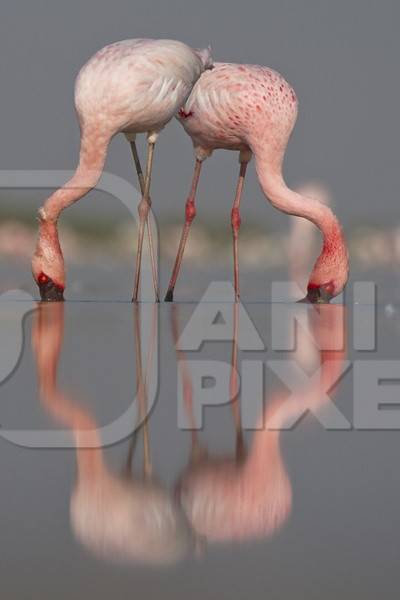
(249, 496)
(117, 516)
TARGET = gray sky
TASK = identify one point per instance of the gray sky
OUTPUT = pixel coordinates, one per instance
(341, 57)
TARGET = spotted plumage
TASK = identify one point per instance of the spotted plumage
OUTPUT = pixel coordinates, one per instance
(252, 109)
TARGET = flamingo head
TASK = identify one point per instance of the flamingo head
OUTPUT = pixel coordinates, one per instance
(330, 272)
(48, 264)
(206, 57)
(320, 294)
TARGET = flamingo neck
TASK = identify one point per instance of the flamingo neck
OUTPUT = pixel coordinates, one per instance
(89, 454)
(84, 428)
(91, 163)
(264, 456)
(334, 252)
(90, 463)
(332, 232)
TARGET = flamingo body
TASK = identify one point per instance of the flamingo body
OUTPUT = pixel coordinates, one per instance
(136, 86)
(129, 520)
(233, 101)
(226, 501)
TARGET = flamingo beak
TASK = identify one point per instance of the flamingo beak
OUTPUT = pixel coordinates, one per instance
(317, 295)
(50, 291)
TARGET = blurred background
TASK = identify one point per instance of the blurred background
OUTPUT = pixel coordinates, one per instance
(341, 58)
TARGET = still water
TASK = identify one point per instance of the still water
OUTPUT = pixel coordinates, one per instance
(190, 503)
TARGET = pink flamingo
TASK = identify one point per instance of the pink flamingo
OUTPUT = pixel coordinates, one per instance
(133, 86)
(252, 109)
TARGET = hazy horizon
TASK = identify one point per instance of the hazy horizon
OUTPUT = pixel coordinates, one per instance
(338, 56)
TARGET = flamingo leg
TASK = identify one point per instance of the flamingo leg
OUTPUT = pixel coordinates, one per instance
(144, 207)
(141, 179)
(131, 452)
(147, 465)
(190, 213)
(236, 222)
(234, 385)
(138, 166)
(197, 451)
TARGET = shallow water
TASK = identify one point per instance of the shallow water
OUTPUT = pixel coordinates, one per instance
(326, 511)
(112, 280)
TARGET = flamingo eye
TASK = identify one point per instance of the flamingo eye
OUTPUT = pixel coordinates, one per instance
(184, 115)
(42, 278)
